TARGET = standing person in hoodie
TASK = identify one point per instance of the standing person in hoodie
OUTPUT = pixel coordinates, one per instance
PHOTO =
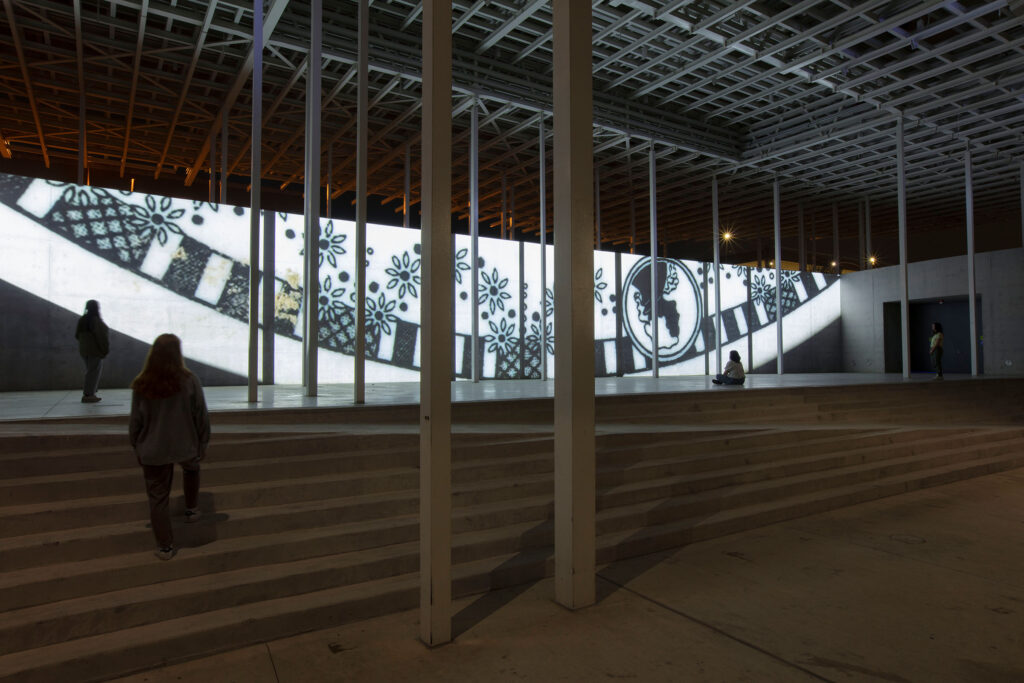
(169, 424)
(93, 345)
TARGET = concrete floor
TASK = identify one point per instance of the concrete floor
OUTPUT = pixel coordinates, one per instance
(922, 587)
(29, 405)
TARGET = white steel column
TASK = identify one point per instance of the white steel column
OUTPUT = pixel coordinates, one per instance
(474, 234)
(802, 238)
(862, 257)
(436, 330)
(972, 290)
(406, 199)
(269, 268)
(597, 207)
(632, 202)
(717, 238)
(655, 291)
(362, 97)
(867, 229)
(835, 237)
(778, 274)
(213, 168)
(504, 206)
(901, 180)
(224, 158)
(311, 333)
(254, 206)
(79, 51)
(574, 304)
(543, 252)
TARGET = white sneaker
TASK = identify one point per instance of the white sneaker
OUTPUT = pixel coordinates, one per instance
(166, 553)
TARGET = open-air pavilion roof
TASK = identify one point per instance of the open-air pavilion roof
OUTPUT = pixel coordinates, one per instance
(807, 92)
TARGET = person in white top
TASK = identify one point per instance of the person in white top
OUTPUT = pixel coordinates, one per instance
(733, 371)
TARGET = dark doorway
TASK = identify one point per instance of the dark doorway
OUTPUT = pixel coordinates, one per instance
(954, 315)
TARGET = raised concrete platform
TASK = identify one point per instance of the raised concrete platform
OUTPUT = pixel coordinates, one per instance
(923, 587)
(117, 402)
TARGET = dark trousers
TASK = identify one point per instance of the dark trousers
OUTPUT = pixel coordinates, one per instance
(728, 380)
(158, 487)
(93, 366)
(937, 360)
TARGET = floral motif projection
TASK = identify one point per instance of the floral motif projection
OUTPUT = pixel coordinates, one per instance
(179, 265)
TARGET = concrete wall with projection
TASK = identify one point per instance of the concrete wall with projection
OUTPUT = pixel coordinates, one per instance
(158, 265)
(999, 278)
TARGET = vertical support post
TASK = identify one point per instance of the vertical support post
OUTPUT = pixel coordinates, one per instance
(474, 234)
(543, 252)
(597, 207)
(835, 238)
(632, 202)
(504, 206)
(814, 241)
(80, 54)
(717, 240)
(254, 208)
(269, 281)
(575, 498)
(406, 198)
(1022, 203)
(436, 330)
(901, 199)
(329, 181)
(778, 274)
(362, 128)
(862, 254)
(512, 211)
(972, 290)
(655, 290)
(311, 333)
(759, 257)
(867, 229)
(801, 237)
(213, 168)
(224, 158)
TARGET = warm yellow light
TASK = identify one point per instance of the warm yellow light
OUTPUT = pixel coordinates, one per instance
(726, 236)
(833, 264)
(872, 260)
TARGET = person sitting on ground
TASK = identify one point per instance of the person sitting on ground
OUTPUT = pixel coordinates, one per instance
(169, 424)
(733, 371)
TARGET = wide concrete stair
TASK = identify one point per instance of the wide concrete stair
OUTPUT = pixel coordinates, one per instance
(306, 527)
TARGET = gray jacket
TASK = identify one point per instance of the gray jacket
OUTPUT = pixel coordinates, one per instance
(172, 429)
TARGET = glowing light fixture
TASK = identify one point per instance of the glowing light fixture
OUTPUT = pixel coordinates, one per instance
(726, 236)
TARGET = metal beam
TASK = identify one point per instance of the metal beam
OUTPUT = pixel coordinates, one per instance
(255, 208)
(901, 188)
(273, 15)
(362, 137)
(16, 35)
(143, 15)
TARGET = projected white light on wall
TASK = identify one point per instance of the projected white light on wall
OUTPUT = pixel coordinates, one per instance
(159, 264)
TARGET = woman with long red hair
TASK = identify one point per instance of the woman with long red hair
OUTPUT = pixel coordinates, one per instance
(169, 424)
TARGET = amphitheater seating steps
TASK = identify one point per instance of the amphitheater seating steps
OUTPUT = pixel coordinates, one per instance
(318, 526)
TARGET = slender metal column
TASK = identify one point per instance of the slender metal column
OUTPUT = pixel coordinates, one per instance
(362, 136)
(512, 211)
(543, 252)
(224, 159)
(972, 290)
(329, 185)
(311, 334)
(901, 189)
(597, 207)
(632, 202)
(254, 206)
(835, 237)
(867, 230)
(814, 241)
(717, 240)
(213, 168)
(406, 198)
(1022, 203)
(862, 258)
(474, 234)
(801, 237)
(778, 274)
(436, 330)
(574, 304)
(655, 290)
(269, 293)
(504, 206)
(80, 54)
